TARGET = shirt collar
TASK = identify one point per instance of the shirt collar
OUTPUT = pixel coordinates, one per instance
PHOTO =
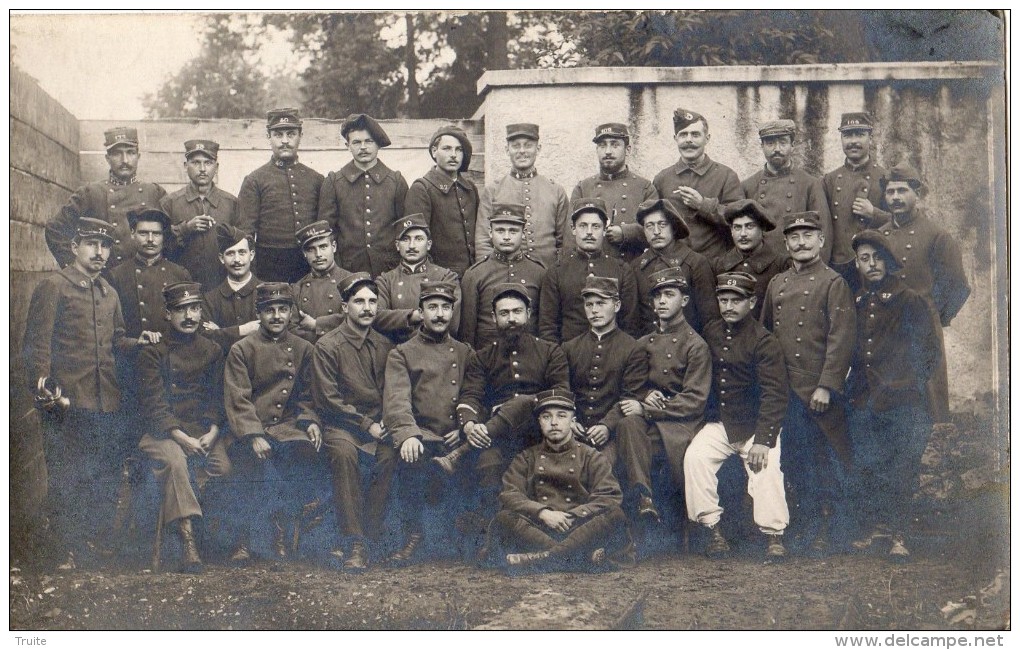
(191, 194)
(698, 168)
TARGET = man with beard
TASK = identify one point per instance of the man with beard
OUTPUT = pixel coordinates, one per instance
(399, 314)
(699, 187)
(853, 192)
(318, 306)
(350, 367)
(667, 235)
(748, 224)
(364, 200)
(181, 392)
(561, 308)
(931, 265)
(230, 308)
(621, 190)
(109, 200)
(448, 200)
(507, 263)
(545, 203)
(267, 393)
(195, 210)
(809, 309)
(783, 189)
(278, 199)
(896, 354)
(423, 382)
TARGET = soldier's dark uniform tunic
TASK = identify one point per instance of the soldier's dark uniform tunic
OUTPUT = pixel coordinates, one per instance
(477, 324)
(791, 190)
(622, 192)
(842, 185)
(561, 308)
(229, 309)
(702, 307)
(318, 295)
(546, 209)
(763, 263)
(450, 208)
(364, 209)
(139, 284)
(398, 297)
(198, 251)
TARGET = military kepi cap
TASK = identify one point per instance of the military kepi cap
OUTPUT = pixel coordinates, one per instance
(437, 289)
(461, 137)
(581, 205)
(556, 397)
(508, 213)
(412, 221)
(611, 130)
(668, 208)
(672, 277)
(283, 118)
(89, 227)
(902, 173)
(776, 128)
(749, 208)
(121, 135)
(881, 244)
(796, 220)
(522, 130)
(228, 236)
(363, 122)
(149, 214)
(736, 281)
(683, 118)
(270, 292)
(208, 147)
(350, 285)
(856, 121)
(604, 287)
(509, 288)
(179, 294)
(316, 230)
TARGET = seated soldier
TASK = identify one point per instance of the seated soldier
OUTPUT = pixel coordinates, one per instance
(561, 503)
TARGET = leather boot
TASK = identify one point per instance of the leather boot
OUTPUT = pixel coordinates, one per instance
(527, 559)
(191, 561)
(357, 561)
(448, 463)
(242, 551)
(404, 555)
(717, 545)
(279, 521)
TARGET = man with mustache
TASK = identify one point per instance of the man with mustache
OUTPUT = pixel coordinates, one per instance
(229, 309)
(782, 188)
(181, 392)
(743, 417)
(545, 203)
(931, 265)
(621, 190)
(399, 313)
(561, 307)
(349, 367)
(364, 200)
(195, 210)
(853, 192)
(278, 199)
(699, 187)
(809, 309)
(109, 200)
(317, 301)
(448, 200)
(508, 262)
(74, 330)
(896, 354)
(667, 235)
(748, 223)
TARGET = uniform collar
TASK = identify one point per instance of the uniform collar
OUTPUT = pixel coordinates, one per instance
(582, 255)
(324, 274)
(506, 259)
(377, 172)
(738, 327)
(887, 290)
(355, 337)
(429, 338)
(810, 267)
(524, 176)
(603, 337)
(698, 168)
(785, 171)
(273, 339)
(82, 281)
(675, 327)
(569, 445)
(177, 339)
(191, 194)
(407, 269)
(759, 258)
(283, 165)
(226, 291)
(142, 262)
(901, 221)
(676, 252)
(858, 168)
(116, 182)
(623, 173)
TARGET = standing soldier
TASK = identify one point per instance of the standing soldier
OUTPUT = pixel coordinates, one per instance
(364, 200)
(545, 203)
(109, 200)
(195, 210)
(317, 301)
(930, 263)
(229, 309)
(699, 187)
(448, 200)
(783, 189)
(399, 314)
(278, 199)
(507, 263)
(809, 309)
(750, 254)
(621, 190)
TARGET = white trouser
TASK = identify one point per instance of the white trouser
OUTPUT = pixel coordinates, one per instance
(709, 449)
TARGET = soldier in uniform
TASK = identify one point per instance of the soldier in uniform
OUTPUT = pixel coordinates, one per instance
(783, 189)
(561, 503)
(750, 254)
(195, 210)
(621, 189)
(853, 193)
(607, 366)
(399, 314)
(667, 235)
(699, 187)
(448, 200)
(423, 381)
(278, 199)
(561, 308)
(364, 200)
(743, 417)
(267, 394)
(546, 229)
(229, 309)
(181, 381)
(317, 295)
(109, 200)
(350, 367)
(809, 309)
(896, 354)
(508, 262)
(931, 265)
(74, 329)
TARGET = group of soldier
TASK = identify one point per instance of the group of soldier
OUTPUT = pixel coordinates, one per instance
(355, 341)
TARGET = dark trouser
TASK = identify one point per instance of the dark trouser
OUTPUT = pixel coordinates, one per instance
(280, 264)
(887, 450)
(513, 532)
(420, 487)
(638, 441)
(938, 385)
(359, 517)
(815, 456)
(181, 477)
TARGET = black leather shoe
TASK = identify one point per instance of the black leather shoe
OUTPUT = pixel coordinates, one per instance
(404, 555)
(647, 509)
(717, 545)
